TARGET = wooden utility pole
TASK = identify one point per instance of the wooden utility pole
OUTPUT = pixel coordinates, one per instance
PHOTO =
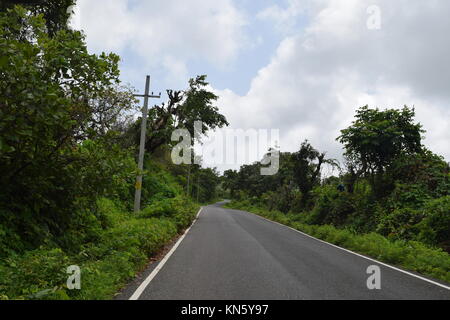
(198, 183)
(146, 95)
(188, 179)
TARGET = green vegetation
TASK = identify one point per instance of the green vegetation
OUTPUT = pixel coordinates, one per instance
(390, 200)
(68, 152)
(119, 251)
(55, 12)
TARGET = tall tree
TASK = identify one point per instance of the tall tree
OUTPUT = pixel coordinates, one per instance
(377, 137)
(181, 111)
(54, 95)
(307, 168)
(56, 12)
(230, 182)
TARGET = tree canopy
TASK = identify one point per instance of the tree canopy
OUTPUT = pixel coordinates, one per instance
(56, 13)
(377, 137)
(181, 111)
(54, 96)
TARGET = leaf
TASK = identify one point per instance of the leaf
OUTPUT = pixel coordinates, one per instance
(3, 61)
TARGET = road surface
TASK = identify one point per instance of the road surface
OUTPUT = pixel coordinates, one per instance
(231, 254)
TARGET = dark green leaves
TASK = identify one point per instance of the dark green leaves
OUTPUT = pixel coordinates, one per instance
(54, 96)
(377, 137)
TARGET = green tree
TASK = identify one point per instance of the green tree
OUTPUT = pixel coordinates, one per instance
(308, 163)
(208, 180)
(53, 97)
(55, 12)
(229, 180)
(375, 140)
(181, 111)
(377, 137)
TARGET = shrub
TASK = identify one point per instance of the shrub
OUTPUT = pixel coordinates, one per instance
(36, 273)
(409, 195)
(400, 224)
(435, 227)
(179, 209)
(160, 208)
(113, 212)
(147, 235)
(156, 187)
(323, 206)
(331, 206)
(297, 202)
(106, 263)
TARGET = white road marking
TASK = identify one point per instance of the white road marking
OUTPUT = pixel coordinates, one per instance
(359, 255)
(161, 264)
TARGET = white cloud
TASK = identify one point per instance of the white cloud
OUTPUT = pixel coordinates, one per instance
(320, 76)
(284, 18)
(106, 23)
(160, 31)
(177, 71)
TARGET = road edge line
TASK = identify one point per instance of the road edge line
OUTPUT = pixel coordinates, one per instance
(137, 293)
(357, 254)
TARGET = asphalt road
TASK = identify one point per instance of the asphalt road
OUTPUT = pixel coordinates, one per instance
(231, 254)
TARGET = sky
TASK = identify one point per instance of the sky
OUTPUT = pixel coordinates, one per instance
(299, 66)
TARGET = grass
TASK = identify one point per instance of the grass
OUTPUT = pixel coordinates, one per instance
(409, 255)
(122, 249)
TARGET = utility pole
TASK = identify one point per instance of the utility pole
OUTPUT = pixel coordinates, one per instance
(198, 183)
(138, 186)
(189, 177)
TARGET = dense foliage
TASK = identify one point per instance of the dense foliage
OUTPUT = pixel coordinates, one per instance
(106, 264)
(52, 158)
(55, 12)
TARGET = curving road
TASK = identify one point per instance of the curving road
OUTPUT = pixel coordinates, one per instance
(231, 254)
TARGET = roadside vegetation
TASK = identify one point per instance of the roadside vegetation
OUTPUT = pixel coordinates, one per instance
(68, 150)
(389, 199)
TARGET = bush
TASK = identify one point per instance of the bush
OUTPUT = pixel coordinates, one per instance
(179, 209)
(409, 196)
(160, 208)
(400, 224)
(35, 274)
(10, 241)
(331, 206)
(435, 227)
(144, 235)
(297, 204)
(111, 211)
(107, 260)
(157, 187)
